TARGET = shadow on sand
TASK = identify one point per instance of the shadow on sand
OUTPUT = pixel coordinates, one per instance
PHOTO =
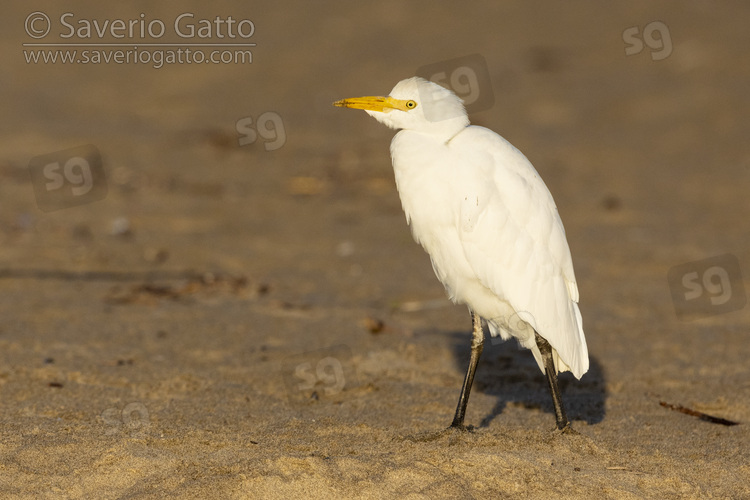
(509, 372)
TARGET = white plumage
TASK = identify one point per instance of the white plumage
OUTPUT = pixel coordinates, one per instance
(485, 217)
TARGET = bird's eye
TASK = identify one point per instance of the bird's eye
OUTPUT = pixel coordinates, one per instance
(411, 104)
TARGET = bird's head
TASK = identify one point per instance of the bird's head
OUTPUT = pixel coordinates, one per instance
(415, 104)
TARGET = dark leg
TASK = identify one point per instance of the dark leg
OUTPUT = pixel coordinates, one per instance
(549, 368)
(477, 344)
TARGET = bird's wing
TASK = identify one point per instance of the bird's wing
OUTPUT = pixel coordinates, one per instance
(514, 241)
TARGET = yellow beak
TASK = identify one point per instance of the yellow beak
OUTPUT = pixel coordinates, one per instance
(375, 103)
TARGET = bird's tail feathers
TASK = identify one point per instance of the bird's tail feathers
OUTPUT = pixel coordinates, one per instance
(576, 354)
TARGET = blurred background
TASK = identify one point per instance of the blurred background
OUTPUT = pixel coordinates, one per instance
(643, 143)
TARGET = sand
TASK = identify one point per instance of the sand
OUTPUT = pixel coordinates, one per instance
(229, 315)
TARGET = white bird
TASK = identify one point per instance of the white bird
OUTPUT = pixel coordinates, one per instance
(491, 228)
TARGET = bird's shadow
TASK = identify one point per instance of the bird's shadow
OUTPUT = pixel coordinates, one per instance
(510, 372)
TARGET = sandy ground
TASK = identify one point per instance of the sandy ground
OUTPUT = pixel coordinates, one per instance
(218, 320)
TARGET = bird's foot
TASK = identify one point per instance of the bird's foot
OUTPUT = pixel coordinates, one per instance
(459, 427)
(452, 432)
(568, 430)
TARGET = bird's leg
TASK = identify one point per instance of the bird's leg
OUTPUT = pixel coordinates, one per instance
(549, 370)
(477, 344)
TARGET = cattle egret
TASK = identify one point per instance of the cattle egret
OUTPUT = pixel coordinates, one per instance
(491, 228)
